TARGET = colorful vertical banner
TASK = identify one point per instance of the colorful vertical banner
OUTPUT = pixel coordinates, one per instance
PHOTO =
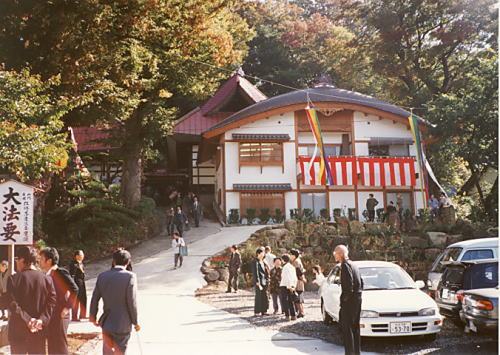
(325, 174)
(420, 154)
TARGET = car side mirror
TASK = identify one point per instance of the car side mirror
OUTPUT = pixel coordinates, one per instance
(420, 284)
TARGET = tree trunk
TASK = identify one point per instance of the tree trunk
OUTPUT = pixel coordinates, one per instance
(132, 175)
(132, 163)
(492, 200)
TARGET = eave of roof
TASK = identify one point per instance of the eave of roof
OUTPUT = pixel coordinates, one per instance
(323, 94)
(203, 117)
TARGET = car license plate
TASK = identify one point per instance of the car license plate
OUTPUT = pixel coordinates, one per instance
(444, 294)
(400, 327)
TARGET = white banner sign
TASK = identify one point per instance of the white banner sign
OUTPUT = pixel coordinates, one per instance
(16, 204)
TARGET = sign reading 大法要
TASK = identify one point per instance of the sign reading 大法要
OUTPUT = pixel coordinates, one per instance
(16, 208)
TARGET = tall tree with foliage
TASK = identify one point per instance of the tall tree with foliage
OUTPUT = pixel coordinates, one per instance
(31, 144)
(130, 61)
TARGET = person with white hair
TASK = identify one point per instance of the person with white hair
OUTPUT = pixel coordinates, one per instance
(350, 300)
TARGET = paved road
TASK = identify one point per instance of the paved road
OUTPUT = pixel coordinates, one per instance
(173, 321)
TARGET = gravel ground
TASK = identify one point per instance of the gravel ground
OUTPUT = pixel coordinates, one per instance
(451, 339)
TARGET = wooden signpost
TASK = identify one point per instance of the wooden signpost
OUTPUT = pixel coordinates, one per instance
(16, 218)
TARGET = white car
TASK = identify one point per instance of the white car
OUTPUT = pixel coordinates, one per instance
(392, 303)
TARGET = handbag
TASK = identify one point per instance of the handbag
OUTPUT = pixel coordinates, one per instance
(300, 286)
(183, 250)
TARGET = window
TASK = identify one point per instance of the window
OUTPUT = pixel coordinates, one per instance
(308, 150)
(260, 200)
(477, 254)
(313, 201)
(484, 275)
(450, 254)
(386, 150)
(261, 153)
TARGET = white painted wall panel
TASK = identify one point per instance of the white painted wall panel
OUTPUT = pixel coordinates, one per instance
(274, 124)
(371, 126)
(340, 198)
(362, 149)
(290, 202)
(232, 201)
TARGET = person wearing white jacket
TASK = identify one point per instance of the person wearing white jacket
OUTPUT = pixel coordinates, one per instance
(177, 243)
(287, 288)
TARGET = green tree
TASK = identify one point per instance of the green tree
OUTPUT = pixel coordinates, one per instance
(466, 124)
(31, 144)
(131, 61)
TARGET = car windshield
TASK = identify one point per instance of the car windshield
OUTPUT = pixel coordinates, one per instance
(385, 278)
(450, 254)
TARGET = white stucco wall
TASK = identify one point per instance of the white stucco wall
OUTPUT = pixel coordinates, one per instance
(279, 124)
(290, 202)
(366, 126)
(232, 201)
(340, 198)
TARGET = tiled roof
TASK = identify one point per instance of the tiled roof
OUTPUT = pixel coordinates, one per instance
(202, 118)
(92, 138)
(262, 187)
(261, 137)
(324, 93)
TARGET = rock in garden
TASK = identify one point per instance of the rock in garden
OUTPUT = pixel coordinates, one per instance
(437, 239)
(205, 269)
(432, 253)
(276, 233)
(309, 251)
(373, 228)
(223, 274)
(212, 276)
(454, 239)
(206, 263)
(291, 224)
(417, 242)
(278, 226)
(356, 228)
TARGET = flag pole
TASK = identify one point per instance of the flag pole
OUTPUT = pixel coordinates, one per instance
(418, 146)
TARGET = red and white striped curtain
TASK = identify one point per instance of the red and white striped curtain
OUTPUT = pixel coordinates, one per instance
(344, 171)
(387, 171)
(372, 171)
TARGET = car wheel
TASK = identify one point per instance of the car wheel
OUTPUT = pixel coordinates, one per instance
(327, 319)
(430, 337)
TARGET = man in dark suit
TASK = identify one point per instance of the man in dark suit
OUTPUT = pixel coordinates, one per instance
(196, 211)
(180, 220)
(77, 272)
(350, 300)
(66, 290)
(32, 299)
(260, 277)
(234, 268)
(118, 289)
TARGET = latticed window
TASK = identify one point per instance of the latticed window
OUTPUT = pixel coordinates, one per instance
(261, 153)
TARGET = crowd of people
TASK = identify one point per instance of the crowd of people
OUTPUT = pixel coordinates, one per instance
(38, 299)
(177, 217)
(277, 279)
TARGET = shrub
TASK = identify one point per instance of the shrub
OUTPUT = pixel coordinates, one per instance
(278, 217)
(264, 215)
(251, 214)
(234, 216)
(336, 212)
(324, 214)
